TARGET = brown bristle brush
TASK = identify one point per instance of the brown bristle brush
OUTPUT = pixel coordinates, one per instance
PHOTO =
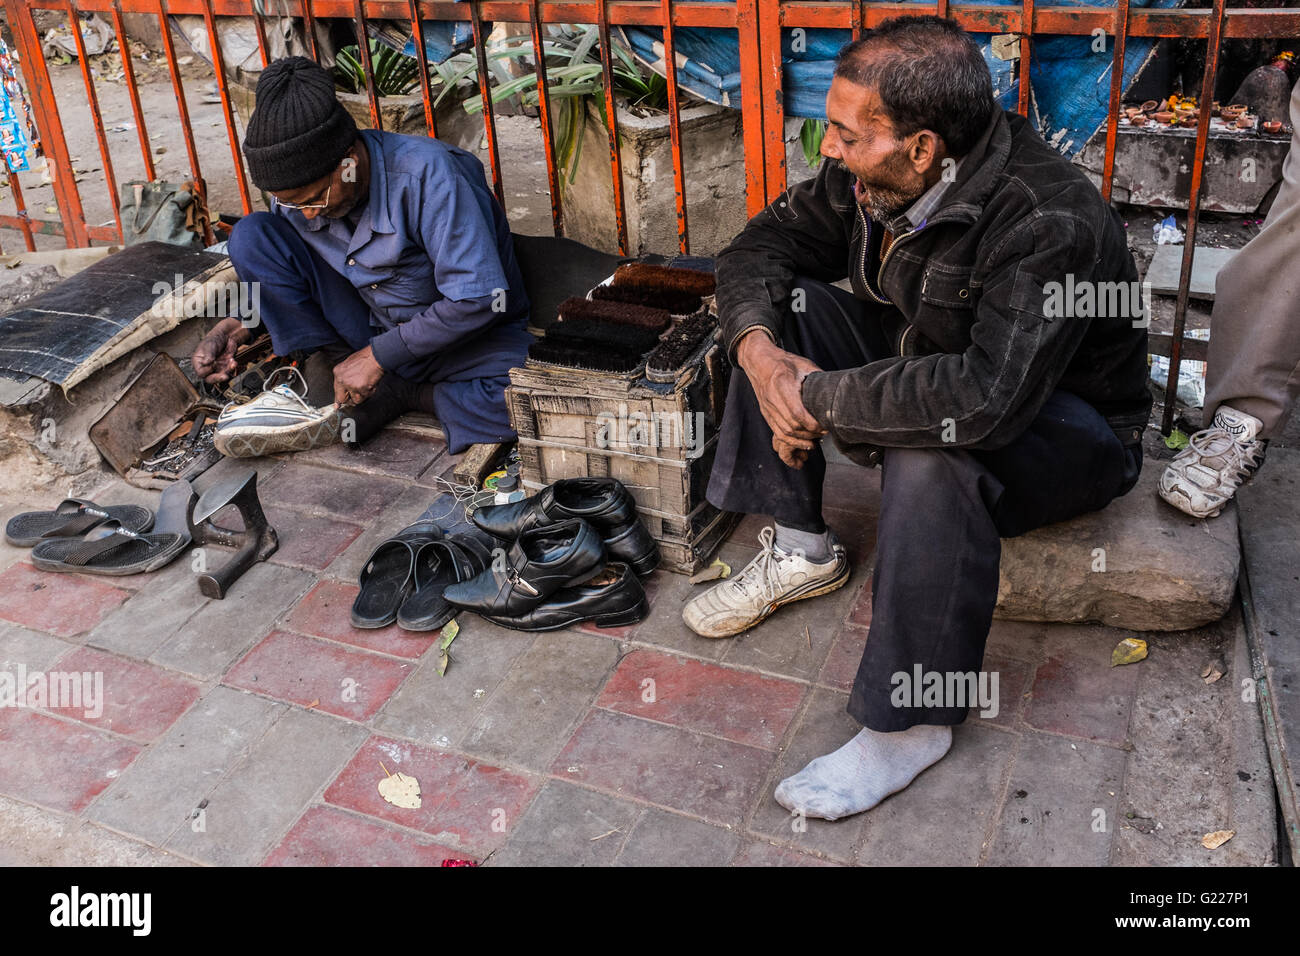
(617, 313)
(675, 301)
(692, 281)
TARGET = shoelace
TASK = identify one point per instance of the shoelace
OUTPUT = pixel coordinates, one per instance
(286, 390)
(1213, 442)
(763, 570)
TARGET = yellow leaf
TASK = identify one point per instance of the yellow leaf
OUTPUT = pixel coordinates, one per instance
(1212, 841)
(449, 632)
(401, 791)
(1128, 651)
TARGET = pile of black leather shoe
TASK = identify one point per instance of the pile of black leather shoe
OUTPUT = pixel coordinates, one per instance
(575, 552)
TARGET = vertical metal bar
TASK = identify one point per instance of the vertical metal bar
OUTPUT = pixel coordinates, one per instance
(1116, 95)
(484, 89)
(309, 27)
(426, 88)
(611, 121)
(1026, 34)
(19, 205)
(769, 48)
(227, 107)
(941, 9)
(46, 110)
(137, 110)
(92, 100)
(675, 126)
(751, 100)
(178, 88)
(263, 47)
(855, 18)
(367, 67)
(544, 112)
(1193, 211)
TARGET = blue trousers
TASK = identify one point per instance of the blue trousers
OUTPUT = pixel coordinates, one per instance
(306, 305)
(943, 511)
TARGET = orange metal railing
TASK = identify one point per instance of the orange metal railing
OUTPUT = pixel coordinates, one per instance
(758, 24)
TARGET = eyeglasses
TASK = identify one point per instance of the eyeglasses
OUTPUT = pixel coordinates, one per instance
(307, 205)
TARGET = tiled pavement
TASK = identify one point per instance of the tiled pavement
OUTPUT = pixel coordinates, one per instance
(255, 729)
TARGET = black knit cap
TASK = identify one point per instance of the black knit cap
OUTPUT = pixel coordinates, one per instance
(299, 131)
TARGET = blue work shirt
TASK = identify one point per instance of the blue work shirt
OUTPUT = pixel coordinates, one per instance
(431, 254)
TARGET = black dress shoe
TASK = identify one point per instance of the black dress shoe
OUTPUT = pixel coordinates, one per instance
(541, 562)
(602, 501)
(611, 599)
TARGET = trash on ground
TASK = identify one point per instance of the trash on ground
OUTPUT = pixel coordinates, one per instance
(1212, 841)
(1128, 651)
(718, 569)
(1212, 672)
(1166, 232)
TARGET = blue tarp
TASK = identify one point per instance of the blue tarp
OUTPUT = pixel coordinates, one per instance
(1070, 83)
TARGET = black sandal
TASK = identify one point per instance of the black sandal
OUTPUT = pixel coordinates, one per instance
(458, 557)
(73, 517)
(112, 548)
(388, 578)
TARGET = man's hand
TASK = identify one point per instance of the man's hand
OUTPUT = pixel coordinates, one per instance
(355, 377)
(777, 376)
(792, 456)
(214, 357)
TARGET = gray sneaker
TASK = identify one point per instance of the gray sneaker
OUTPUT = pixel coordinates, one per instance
(1216, 462)
(772, 579)
(278, 420)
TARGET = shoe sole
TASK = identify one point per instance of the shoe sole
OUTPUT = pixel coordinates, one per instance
(632, 615)
(1178, 501)
(299, 438)
(833, 585)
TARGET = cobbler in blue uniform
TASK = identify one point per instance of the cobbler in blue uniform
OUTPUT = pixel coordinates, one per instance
(385, 255)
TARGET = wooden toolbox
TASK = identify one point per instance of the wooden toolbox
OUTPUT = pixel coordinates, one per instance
(657, 439)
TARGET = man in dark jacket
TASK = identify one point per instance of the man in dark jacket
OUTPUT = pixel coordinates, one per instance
(991, 357)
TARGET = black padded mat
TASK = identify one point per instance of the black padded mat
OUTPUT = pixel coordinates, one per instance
(52, 334)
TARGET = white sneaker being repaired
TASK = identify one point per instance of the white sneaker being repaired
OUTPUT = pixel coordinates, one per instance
(277, 420)
(772, 579)
(1215, 463)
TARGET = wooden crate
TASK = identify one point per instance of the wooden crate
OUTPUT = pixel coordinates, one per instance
(658, 440)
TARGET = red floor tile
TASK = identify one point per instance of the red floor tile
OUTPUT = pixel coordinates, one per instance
(324, 613)
(842, 662)
(704, 776)
(1082, 698)
(1012, 677)
(736, 705)
(860, 613)
(328, 837)
(62, 604)
(56, 763)
(139, 700)
(463, 803)
(309, 541)
(304, 671)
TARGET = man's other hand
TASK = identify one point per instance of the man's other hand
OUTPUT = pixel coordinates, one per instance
(791, 455)
(777, 377)
(355, 377)
(214, 357)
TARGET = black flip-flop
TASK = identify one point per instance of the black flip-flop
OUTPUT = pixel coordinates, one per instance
(388, 577)
(111, 548)
(458, 557)
(73, 517)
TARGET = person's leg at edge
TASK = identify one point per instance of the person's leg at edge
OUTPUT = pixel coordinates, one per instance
(943, 513)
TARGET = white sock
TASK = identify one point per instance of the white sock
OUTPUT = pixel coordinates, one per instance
(863, 772)
(817, 548)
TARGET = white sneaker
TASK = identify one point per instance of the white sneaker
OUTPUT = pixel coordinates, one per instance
(277, 420)
(772, 579)
(1215, 463)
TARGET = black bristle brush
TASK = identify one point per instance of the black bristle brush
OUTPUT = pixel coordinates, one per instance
(676, 302)
(690, 281)
(569, 356)
(617, 313)
(678, 346)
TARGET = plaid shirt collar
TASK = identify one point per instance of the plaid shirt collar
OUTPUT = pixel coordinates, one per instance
(916, 215)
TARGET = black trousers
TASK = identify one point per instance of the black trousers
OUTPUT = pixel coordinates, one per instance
(943, 511)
